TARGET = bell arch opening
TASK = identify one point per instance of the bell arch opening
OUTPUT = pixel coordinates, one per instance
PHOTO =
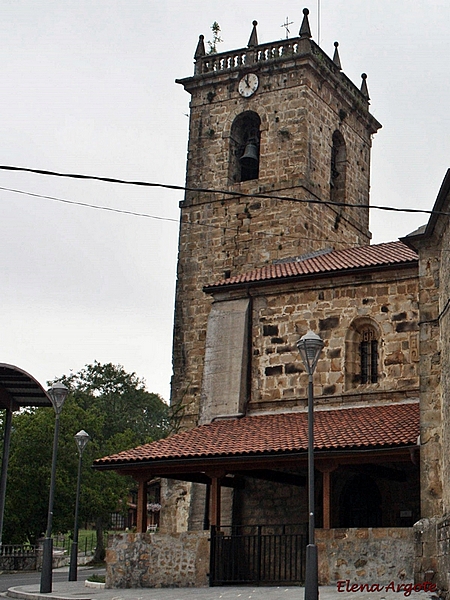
(338, 173)
(245, 137)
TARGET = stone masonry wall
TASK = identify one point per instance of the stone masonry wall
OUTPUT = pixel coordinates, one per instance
(426, 563)
(238, 236)
(154, 560)
(329, 308)
(444, 296)
(367, 555)
(443, 555)
(299, 111)
(301, 102)
(361, 555)
(431, 434)
(267, 503)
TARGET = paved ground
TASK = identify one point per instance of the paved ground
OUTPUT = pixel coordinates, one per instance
(78, 591)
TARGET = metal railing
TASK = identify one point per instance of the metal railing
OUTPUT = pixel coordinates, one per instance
(259, 555)
(18, 557)
(86, 544)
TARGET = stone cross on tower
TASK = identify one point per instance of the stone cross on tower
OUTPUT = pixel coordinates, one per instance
(286, 25)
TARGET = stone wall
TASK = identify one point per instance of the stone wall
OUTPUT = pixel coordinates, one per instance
(300, 103)
(275, 504)
(378, 555)
(431, 451)
(141, 560)
(330, 308)
(360, 555)
(443, 365)
(432, 553)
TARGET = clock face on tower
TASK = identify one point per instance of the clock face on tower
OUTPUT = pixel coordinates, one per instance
(248, 85)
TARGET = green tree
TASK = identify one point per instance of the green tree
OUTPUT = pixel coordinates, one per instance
(215, 28)
(117, 411)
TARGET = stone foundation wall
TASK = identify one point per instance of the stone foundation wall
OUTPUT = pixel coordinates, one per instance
(372, 555)
(140, 560)
(382, 555)
(432, 547)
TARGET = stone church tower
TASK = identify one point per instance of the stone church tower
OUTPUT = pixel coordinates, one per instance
(278, 167)
(306, 131)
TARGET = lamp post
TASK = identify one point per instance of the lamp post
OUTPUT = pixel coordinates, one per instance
(310, 347)
(81, 440)
(58, 394)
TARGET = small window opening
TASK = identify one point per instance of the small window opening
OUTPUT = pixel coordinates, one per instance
(368, 349)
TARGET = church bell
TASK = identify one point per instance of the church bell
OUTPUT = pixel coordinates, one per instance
(250, 157)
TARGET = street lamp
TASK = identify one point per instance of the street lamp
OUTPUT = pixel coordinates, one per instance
(58, 394)
(310, 346)
(81, 440)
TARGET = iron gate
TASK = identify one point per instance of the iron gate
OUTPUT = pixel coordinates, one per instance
(261, 555)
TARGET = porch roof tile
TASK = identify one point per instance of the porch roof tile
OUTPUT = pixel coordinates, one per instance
(344, 429)
(333, 262)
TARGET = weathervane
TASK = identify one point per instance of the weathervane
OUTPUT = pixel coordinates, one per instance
(286, 25)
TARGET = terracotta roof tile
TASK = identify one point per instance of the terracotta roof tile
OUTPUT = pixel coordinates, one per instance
(352, 428)
(379, 255)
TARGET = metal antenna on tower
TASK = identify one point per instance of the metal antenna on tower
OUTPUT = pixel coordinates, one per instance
(318, 22)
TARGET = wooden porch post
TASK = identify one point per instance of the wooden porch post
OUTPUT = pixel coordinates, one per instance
(326, 499)
(214, 518)
(215, 502)
(207, 506)
(141, 516)
(326, 470)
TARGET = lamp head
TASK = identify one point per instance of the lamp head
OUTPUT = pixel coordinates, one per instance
(81, 440)
(310, 346)
(58, 394)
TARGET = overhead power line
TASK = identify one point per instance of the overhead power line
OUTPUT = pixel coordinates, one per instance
(159, 218)
(88, 205)
(223, 192)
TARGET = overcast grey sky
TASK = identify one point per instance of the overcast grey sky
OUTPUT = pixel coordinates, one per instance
(87, 86)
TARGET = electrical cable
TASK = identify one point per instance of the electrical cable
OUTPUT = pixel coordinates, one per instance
(148, 216)
(213, 191)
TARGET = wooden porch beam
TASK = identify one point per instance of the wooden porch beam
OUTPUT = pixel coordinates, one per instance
(380, 471)
(230, 482)
(185, 469)
(275, 476)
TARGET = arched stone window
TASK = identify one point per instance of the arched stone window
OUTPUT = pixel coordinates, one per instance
(338, 168)
(368, 356)
(362, 353)
(244, 147)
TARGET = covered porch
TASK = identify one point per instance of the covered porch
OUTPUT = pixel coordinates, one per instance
(249, 477)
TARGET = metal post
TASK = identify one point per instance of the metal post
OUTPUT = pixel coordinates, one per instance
(312, 575)
(74, 549)
(47, 556)
(4, 472)
(81, 440)
(310, 346)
